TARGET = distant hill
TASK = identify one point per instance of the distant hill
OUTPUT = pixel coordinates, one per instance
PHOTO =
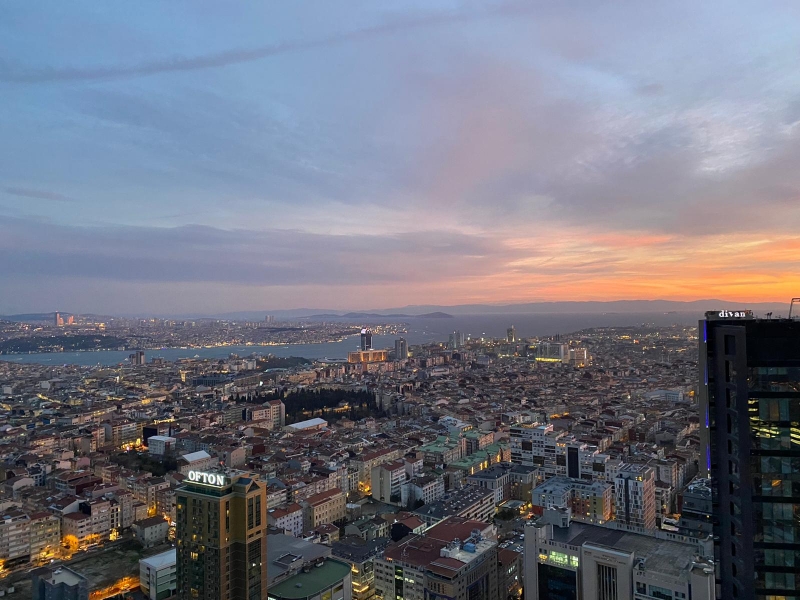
(369, 315)
(30, 317)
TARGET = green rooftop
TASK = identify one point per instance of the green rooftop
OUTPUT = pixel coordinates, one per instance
(312, 583)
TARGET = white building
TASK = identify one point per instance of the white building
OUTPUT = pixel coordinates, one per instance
(195, 461)
(386, 481)
(635, 497)
(427, 488)
(536, 445)
(159, 445)
(158, 576)
(288, 518)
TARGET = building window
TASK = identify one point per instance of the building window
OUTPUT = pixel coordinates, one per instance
(606, 582)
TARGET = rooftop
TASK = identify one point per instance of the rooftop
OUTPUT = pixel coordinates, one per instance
(315, 422)
(318, 578)
(158, 561)
(661, 556)
(286, 553)
(65, 576)
(193, 456)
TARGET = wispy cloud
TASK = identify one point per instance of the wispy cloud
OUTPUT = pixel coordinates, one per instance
(27, 75)
(37, 194)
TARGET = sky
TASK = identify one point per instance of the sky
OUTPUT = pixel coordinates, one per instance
(191, 156)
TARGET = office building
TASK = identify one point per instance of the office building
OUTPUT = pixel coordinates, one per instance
(59, 584)
(137, 358)
(635, 498)
(578, 357)
(511, 335)
(589, 562)
(158, 575)
(457, 340)
(749, 397)
(368, 356)
(553, 352)
(366, 340)
(221, 536)
(58, 320)
(400, 349)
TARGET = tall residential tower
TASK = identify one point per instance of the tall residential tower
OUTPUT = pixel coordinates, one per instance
(221, 536)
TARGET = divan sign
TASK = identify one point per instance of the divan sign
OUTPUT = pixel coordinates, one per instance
(208, 478)
(735, 314)
(715, 315)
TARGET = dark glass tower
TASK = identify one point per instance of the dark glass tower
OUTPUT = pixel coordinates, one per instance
(366, 340)
(750, 417)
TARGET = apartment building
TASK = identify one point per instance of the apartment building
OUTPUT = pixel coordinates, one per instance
(289, 518)
(387, 479)
(327, 507)
(455, 559)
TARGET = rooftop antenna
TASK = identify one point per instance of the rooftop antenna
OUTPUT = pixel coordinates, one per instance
(791, 305)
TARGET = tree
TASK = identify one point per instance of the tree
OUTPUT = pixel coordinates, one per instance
(71, 543)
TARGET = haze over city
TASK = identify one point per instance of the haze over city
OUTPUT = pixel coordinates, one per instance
(185, 157)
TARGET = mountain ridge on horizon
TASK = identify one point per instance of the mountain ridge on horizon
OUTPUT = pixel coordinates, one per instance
(422, 310)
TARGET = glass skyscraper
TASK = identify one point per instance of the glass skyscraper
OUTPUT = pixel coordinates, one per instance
(750, 426)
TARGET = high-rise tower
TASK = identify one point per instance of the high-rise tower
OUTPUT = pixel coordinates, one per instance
(750, 429)
(400, 349)
(221, 536)
(366, 339)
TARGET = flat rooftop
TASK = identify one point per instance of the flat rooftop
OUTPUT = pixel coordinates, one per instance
(158, 561)
(307, 585)
(65, 576)
(286, 553)
(661, 556)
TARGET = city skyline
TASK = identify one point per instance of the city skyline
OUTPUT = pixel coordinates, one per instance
(182, 158)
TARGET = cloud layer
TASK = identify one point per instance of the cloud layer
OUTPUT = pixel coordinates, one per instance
(438, 151)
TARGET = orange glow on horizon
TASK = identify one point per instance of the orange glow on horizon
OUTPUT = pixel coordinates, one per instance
(579, 266)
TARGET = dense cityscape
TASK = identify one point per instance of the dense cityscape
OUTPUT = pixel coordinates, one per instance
(60, 333)
(379, 300)
(497, 467)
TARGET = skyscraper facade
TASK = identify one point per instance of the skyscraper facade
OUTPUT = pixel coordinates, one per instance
(366, 339)
(400, 349)
(511, 335)
(221, 536)
(750, 428)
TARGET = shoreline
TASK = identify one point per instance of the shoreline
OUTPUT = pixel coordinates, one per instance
(156, 349)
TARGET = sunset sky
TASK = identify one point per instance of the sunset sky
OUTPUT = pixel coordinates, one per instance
(174, 157)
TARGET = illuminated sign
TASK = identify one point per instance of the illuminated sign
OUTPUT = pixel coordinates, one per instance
(207, 478)
(729, 314)
(735, 314)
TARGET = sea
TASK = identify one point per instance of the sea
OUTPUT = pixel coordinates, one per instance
(420, 331)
